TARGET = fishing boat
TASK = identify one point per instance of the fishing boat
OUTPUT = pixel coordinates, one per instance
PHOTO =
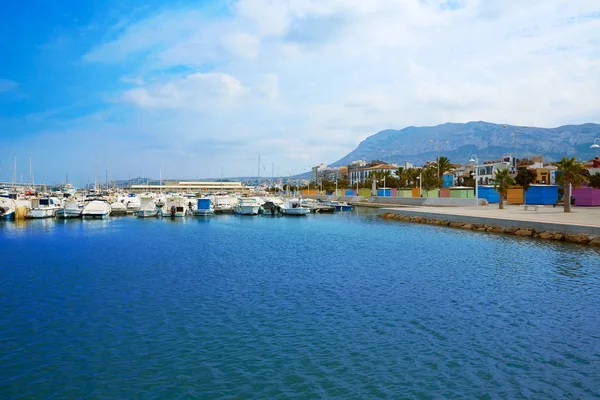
(71, 209)
(204, 208)
(147, 208)
(96, 208)
(248, 206)
(293, 206)
(43, 207)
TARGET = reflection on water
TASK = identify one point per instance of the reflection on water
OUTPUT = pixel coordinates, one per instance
(344, 305)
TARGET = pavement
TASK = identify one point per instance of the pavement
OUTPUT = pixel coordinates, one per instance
(584, 220)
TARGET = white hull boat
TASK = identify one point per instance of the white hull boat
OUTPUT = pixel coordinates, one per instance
(43, 208)
(96, 209)
(118, 208)
(247, 206)
(146, 213)
(70, 210)
(147, 208)
(293, 207)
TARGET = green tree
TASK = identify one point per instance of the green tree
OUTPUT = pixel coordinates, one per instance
(595, 181)
(569, 173)
(430, 179)
(525, 177)
(502, 182)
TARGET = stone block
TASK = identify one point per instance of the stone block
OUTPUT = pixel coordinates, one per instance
(524, 232)
(576, 238)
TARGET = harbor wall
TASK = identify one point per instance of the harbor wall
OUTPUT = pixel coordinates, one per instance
(580, 234)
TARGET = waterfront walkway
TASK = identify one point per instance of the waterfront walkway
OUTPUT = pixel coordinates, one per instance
(580, 220)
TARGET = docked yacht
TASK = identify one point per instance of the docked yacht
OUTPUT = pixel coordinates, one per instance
(71, 209)
(97, 208)
(7, 208)
(43, 207)
(132, 202)
(118, 208)
(204, 208)
(223, 203)
(175, 207)
(147, 208)
(247, 206)
(293, 207)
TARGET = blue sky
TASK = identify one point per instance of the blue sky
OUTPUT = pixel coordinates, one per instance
(194, 86)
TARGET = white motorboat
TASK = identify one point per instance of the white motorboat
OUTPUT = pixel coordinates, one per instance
(247, 206)
(132, 202)
(223, 203)
(44, 207)
(147, 208)
(118, 208)
(7, 208)
(175, 207)
(204, 208)
(98, 208)
(72, 209)
(293, 207)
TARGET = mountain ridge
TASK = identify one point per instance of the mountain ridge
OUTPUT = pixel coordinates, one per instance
(485, 139)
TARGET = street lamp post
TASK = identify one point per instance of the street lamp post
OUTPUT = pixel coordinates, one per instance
(475, 160)
(439, 147)
(595, 145)
(515, 154)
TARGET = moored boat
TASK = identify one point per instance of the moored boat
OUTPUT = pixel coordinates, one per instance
(97, 208)
(247, 206)
(7, 208)
(43, 207)
(71, 209)
(293, 207)
(204, 208)
(147, 208)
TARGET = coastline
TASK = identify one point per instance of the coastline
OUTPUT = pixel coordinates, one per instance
(581, 226)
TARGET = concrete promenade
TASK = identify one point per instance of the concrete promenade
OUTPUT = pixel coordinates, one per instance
(580, 221)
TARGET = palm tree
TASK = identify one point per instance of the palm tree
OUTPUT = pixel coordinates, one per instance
(502, 182)
(444, 165)
(570, 173)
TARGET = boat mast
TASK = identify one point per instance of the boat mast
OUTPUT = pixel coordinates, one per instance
(15, 173)
(160, 179)
(258, 179)
(107, 187)
(31, 181)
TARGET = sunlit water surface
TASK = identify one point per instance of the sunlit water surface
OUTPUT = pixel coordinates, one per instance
(346, 305)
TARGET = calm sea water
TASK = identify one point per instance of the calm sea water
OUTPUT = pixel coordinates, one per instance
(347, 305)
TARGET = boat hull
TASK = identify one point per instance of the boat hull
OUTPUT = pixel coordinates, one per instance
(295, 211)
(146, 213)
(68, 213)
(203, 213)
(37, 213)
(247, 210)
(94, 215)
(8, 215)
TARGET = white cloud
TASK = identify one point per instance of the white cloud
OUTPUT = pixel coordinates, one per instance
(195, 91)
(321, 75)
